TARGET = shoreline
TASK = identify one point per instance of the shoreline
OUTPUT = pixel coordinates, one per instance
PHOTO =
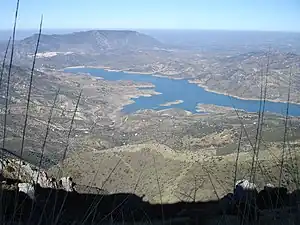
(237, 97)
(129, 101)
(198, 83)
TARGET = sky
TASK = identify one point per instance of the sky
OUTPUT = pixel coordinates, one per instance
(268, 15)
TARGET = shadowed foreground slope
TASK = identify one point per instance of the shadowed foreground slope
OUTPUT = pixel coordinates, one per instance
(54, 206)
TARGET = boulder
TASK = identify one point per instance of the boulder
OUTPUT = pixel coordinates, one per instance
(244, 190)
(41, 178)
(245, 195)
(66, 183)
(28, 189)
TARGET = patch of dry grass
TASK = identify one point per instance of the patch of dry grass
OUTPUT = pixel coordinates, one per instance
(181, 175)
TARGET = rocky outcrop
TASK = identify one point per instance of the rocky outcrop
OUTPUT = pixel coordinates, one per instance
(20, 170)
(25, 177)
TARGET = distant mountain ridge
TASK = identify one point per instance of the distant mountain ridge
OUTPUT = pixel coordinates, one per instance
(93, 41)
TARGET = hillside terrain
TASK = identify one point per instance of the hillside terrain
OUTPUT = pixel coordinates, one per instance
(167, 176)
(164, 153)
(223, 71)
(176, 141)
(99, 106)
(48, 200)
(169, 151)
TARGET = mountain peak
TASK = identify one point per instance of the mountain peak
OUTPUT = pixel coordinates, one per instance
(92, 41)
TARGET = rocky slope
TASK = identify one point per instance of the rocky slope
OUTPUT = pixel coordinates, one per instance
(14, 170)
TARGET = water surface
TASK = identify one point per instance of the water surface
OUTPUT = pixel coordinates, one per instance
(191, 94)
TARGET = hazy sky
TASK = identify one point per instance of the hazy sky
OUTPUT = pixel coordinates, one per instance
(281, 15)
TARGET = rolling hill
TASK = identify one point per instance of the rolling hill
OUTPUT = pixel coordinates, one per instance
(165, 175)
